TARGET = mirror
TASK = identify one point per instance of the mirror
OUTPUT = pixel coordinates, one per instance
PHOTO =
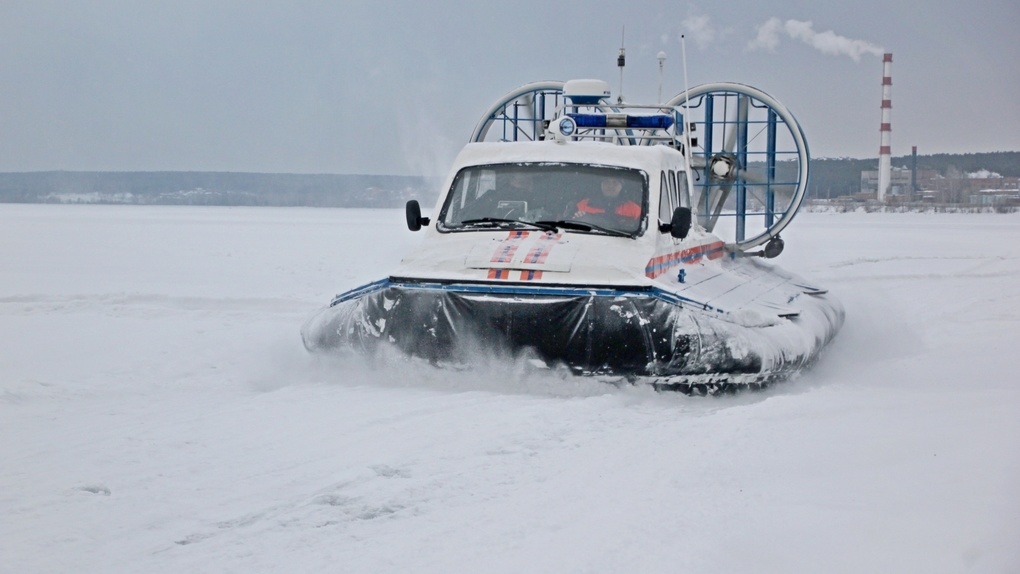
(413, 213)
(680, 225)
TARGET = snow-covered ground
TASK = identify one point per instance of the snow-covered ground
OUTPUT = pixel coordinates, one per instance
(158, 414)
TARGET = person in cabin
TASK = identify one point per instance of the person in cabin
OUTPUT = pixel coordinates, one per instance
(522, 185)
(609, 205)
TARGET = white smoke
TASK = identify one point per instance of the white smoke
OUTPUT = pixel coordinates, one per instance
(827, 42)
(768, 36)
(984, 174)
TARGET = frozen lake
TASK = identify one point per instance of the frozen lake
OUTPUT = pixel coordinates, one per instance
(159, 414)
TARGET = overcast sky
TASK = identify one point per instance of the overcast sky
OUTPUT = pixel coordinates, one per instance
(395, 87)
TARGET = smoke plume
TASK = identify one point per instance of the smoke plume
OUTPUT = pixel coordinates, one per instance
(827, 42)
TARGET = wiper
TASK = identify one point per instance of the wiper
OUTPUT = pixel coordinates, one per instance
(584, 226)
(501, 222)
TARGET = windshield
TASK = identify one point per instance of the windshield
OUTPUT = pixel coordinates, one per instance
(577, 197)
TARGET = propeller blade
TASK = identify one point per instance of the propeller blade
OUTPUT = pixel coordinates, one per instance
(698, 162)
(730, 140)
(718, 201)
(526, 116)
(751, 177)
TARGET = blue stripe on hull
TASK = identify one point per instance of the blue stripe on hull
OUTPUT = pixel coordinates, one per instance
(531, 290)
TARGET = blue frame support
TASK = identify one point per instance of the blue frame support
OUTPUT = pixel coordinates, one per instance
(540, 103)
(503, 125)
(517, 106)
(707, 187)
(770, 158)
(741, 157)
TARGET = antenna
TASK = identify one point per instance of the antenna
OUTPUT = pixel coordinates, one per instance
(621, 61)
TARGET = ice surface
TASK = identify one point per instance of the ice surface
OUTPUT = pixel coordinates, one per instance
(159, 414)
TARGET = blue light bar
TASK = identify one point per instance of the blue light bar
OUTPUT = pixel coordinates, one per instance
(650, 122)
(653, 122)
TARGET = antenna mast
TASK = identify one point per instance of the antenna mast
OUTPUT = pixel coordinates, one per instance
(621, 61)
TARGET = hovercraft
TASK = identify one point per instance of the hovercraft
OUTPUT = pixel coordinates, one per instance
(606, 239)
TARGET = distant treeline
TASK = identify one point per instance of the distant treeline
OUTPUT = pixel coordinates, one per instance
(829, 178)
(216, 188)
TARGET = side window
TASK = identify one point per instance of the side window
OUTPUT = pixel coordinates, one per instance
(665, 200)
(672, 190)
(683, 190)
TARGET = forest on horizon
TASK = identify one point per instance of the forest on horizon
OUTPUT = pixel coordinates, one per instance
(829, 177)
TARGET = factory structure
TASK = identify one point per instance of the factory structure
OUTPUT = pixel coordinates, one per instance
(905, 184)
(908, 184)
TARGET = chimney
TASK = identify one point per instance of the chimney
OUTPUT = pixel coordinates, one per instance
(913, 173)
(885, 150)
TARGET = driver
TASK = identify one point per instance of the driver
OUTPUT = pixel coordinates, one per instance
(609, 201)
(521, 185)
(525, 194)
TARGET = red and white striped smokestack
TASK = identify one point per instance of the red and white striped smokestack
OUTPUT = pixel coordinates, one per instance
(885, 150)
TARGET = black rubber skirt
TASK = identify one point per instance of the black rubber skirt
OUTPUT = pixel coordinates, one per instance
(636, 332)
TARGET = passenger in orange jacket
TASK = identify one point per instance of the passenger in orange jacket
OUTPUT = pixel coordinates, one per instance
(609, 201)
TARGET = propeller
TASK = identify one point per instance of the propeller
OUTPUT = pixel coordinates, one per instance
(748, 145)
(740, 129)
(725, 169)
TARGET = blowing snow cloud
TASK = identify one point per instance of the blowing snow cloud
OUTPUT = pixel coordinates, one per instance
(827, 42)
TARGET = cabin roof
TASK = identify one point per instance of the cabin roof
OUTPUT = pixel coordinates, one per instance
(648, 158)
